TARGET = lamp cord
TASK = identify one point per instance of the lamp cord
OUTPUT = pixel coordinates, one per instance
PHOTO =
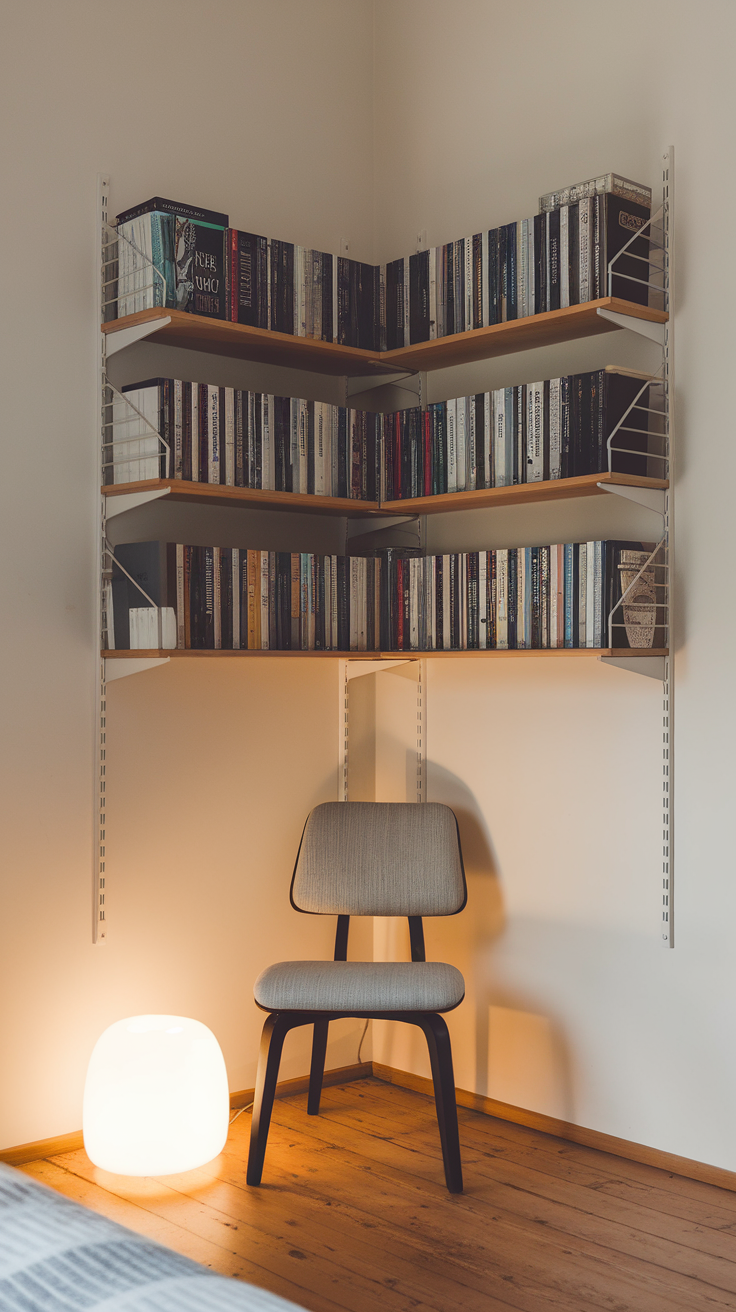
(250, 1104)
(360, 1045)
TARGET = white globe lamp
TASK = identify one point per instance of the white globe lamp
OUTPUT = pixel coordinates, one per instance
(156, 1098)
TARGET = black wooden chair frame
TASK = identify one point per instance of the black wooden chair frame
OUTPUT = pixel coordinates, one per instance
(431, 1023)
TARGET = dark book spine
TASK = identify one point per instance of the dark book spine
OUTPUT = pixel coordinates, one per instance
(536, 597)
(494, 277)
(540, 265)
(511, 272)
(477, 281)
(573, 215)
(512, 598)
(186, 430)
(618, 393)
(472, 602)
(566, 461)
(419, 297)
(623, 219)
(553, 261)
(427, 454)
(598, 278)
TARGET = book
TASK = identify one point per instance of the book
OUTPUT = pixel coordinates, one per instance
(611, 183)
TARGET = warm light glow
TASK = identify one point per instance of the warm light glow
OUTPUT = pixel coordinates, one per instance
(156, 1098)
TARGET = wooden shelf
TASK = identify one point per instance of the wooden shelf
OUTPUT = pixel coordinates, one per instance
(545, 652)
(218, 337)
(213, 494)
(518, 335)
(518, 494)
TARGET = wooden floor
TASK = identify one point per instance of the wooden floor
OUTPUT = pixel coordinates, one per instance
(353, 1214)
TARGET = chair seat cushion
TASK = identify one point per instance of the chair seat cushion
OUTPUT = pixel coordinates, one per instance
(359, 986)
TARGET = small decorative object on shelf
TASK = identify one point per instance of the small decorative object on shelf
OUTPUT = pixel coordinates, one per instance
(639, 597)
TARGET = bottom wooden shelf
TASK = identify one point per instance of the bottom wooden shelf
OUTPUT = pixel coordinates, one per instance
(546, 652)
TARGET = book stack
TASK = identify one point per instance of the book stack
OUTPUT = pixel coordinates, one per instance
(557, 258)
(186, 245)
(557, 428)
(212, 598)
(245, 439)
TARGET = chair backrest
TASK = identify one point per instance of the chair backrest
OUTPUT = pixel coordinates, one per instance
(380, 859)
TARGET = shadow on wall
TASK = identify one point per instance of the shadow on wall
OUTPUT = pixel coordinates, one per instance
(520, 1052)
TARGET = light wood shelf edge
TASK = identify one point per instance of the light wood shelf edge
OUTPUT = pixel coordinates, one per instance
(216, 494)
(561, 489)
(209, 653)
(220, 337)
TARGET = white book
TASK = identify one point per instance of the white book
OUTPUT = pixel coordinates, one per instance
(446, 611)
(471, 443)
(236, 597)
(213, 434)
(414, 588)
(321, 431)
(553, 584)
(555, 428)
(268, 468)
(144, 628)
(585, 224)
(230, 436)
(531, 302)
(487, 456)
(483, 599)
(535, 433)
(452, 446)
(264, 601)
(217, 598)
(582, 594)
(499, 437)
(598, 639)
(522, 268)
(327, 568)
(502, 599)
(432, 585)
(176, 460)
(135, 453)
(561, 594)
(461, 419)
(564, 258)
(180, 630)
(432, 292)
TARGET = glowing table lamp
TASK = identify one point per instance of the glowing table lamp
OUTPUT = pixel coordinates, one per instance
(156, 1099)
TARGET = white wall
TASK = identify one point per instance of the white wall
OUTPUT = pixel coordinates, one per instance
(573, 1006)
(266, 108)
(261, 108)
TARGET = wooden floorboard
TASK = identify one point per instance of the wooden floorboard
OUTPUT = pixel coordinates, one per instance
(353, 1215)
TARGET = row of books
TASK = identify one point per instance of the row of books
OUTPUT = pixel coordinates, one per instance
(241, 439)
(557, 596)
(555, 259)
(557, 428)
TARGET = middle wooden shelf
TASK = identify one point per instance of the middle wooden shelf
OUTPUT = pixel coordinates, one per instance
(215, 494)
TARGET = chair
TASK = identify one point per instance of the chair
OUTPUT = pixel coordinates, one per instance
(368, 859)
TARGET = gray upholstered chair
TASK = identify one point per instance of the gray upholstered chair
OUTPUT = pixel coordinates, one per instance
(368, 859)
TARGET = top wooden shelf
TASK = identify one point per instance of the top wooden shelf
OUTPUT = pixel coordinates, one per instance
(218, 337)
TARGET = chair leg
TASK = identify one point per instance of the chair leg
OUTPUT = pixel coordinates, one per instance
(274, 1032)
(443, 1078)
(317, 1069)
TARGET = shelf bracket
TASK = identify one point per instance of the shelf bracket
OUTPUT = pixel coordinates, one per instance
(117, 341)
(122, 666)
(408, 382)
(356, 668)
(651, 666)
(645, 328)
(651, 497)
(131, 501)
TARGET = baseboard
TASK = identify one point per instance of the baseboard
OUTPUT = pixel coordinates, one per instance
(606, 1143)
(340, 1075)
(33, 1152)
(69, 1143)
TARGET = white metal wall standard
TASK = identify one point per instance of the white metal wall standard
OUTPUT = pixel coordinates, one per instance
(668, 928)
(103, 575)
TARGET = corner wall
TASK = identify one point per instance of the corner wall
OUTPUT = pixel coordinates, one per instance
(573, 1007)
(261, 108)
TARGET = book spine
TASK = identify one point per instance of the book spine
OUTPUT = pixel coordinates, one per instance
(585, 208)
(564, 257)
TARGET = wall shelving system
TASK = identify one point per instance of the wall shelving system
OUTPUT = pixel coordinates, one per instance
(174, 328)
